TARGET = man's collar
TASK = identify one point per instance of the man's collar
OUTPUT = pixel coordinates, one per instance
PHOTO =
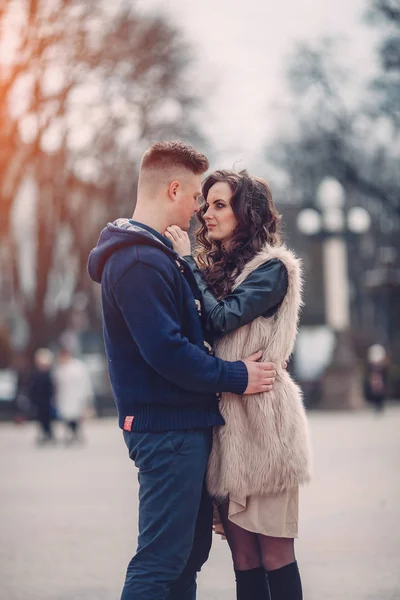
(156, 234)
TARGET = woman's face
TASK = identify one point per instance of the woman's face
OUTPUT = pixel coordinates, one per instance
(219, 216)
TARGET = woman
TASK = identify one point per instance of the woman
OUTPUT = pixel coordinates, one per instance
(251, 288)
(74, 393)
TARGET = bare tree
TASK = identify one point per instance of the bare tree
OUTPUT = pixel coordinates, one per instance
(325, 134)
(86, 89)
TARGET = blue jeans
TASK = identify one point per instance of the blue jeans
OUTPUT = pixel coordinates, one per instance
(175, 514)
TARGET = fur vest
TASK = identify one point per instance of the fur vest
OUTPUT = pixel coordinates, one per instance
(264, 446)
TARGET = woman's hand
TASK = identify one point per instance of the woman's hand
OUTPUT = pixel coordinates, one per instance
(180, 240)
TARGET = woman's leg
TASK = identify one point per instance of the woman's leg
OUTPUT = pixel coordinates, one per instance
(251, 580)
(278, 559)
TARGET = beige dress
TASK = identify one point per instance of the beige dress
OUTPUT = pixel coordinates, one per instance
(275, 515)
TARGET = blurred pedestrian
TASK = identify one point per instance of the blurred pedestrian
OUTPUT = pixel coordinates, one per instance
(376, 377)
(41, 392)
(251, 290)
(73, 392)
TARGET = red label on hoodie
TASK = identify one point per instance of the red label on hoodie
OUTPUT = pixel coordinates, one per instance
(128, 423)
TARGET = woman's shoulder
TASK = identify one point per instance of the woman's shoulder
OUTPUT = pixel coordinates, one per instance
(286, 256)
(274, 255)
(280, 252)
(272, 261)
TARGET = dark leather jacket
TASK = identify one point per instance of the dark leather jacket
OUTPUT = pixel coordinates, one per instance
(260, 294)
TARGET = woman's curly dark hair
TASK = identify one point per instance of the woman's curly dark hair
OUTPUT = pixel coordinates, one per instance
(258, 221)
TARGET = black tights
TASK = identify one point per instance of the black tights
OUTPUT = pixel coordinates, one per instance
(253, 555)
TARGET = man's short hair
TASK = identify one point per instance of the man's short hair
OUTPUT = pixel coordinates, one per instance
(167, 155)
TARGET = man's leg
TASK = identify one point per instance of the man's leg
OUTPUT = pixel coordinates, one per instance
(47, 428)
(171, 473)
(74, 425)
(185, 587)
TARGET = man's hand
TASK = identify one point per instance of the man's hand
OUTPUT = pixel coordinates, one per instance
(180, 240)
(261, 375)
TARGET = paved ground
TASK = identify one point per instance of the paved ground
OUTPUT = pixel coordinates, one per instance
(68, 515)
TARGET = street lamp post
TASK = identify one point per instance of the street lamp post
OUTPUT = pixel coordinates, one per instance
(342, 380)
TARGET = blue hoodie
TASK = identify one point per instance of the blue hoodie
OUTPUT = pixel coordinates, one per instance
(162, 371)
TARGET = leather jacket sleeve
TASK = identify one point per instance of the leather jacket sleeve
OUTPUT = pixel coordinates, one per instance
(259, 295)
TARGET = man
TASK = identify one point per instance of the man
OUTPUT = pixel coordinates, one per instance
(164, 377)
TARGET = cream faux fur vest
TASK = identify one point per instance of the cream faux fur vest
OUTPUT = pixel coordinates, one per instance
(264, 446)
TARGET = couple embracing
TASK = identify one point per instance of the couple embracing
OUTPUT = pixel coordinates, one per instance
(196, 350)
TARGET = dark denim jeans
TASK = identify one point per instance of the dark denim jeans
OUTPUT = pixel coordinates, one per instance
(175, 514)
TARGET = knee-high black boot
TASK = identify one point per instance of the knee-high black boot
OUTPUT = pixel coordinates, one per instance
(252, 584)
(285, 583)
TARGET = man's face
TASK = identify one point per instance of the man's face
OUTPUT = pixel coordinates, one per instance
(186, 196)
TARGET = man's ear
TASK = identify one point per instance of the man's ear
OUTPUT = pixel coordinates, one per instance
(173, 189)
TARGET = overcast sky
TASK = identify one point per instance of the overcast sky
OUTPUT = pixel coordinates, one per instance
(241, 48)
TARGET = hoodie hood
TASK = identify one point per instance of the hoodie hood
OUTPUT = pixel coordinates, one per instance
(120, 234)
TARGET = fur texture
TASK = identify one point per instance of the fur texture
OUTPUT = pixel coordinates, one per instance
(264, 446)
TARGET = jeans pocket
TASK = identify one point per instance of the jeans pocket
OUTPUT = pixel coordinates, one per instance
(177, 439)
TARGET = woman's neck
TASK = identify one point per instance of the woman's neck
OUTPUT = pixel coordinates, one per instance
(225, 245)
